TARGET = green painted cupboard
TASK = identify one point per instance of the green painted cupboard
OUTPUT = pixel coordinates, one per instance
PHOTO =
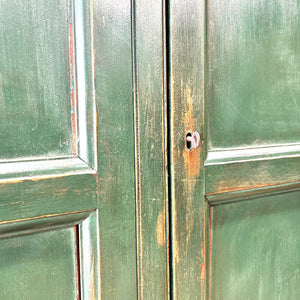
(102, 196)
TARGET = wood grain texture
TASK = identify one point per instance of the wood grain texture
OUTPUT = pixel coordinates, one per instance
(187, 115)
(115, 135)
(89, 257)
(33, 169)
(151, 164)
(48, 194)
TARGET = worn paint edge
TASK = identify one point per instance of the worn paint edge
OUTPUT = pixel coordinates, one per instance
(59, 168)
(254, 193)
(249, 154)
(138, 192)
(165, 143)
(172, 206)
(48, 221)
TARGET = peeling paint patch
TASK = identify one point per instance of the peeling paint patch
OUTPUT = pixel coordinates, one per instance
(192, 162)
(160, 228)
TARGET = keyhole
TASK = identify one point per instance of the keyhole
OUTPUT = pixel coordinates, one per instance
(192, 140)
(189, 141)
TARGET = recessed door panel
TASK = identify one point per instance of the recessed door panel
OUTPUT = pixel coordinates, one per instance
(35, 78)
(255, 248)
(41, 265)
(253, 72)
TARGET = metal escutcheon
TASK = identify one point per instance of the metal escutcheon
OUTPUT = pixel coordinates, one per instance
(193, 140)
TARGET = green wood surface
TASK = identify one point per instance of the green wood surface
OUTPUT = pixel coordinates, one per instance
(84, 81)
(131, 109)
(115, 141)
(39, 266)
(35, 102)
(48, 182)
(253, 73)
(150, 129)
(251, 174)
(255, 249)
(33, 198)
(83, 116)
(188, 218)
(252, 163)
(61, 62)
(240, 60)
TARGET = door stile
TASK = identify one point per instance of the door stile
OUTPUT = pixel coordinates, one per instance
(150, 125)
(189, 211)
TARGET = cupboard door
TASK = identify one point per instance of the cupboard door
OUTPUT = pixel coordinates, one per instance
(83, 168)
(235, 70)
(49, 214)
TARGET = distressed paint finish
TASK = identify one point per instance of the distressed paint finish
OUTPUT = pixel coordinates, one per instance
(251, 174)
(150, 118)
(49, 236)
(131, 108)
(186, 115)
(30, 198)
(51, 85)
(243, 57)
(116, 182)
(254, 71)
(34, 79)
(252, 165)
(31, 242)
(83, 21)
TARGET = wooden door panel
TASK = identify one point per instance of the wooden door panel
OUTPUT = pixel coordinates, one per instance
(234, 79)
(40, 265)
(255, 248)
(53, 256)
(253, 63)
(35, 97)
(252, 163)
(51, 72)
(49, 238)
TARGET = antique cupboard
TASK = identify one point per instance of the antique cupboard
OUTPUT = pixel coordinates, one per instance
(102, 192)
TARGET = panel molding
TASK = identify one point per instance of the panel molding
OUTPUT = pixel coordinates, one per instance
(88, 242)
(266, 206)
(41, 223)
(249, 194)
(43, 169)
(85, 97)
(246, 175)
(232, 155)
